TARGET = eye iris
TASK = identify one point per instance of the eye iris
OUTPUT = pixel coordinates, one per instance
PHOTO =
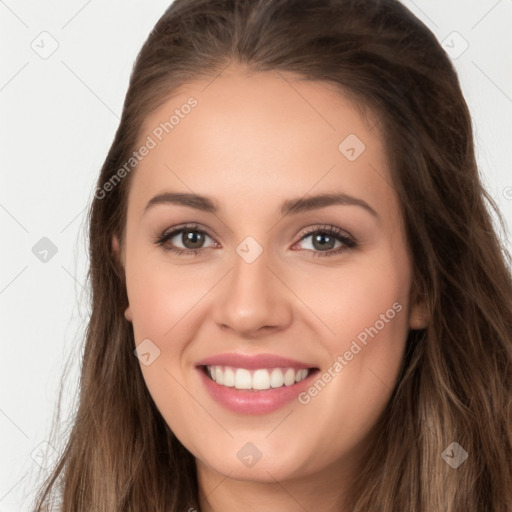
(194, 237)
(322, 237)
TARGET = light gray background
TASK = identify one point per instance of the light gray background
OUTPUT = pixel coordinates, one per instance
(59, 115)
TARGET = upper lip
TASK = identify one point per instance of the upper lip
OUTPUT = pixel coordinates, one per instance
(252, 362)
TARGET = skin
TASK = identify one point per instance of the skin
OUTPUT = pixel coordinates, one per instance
(253, 141)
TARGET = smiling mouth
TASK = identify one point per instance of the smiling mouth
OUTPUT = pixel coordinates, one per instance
(258, 379)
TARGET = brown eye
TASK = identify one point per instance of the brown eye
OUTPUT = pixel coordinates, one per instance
(186, 240)
(192, 239)
(324, 240)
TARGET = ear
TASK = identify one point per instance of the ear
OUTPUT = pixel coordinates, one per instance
(418, 317)
(119, 259)
(128, 314)
(116, 250)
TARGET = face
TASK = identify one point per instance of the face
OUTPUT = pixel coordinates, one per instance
(299, 307)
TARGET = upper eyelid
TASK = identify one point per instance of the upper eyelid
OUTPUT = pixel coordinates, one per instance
(327, 228)
(179, 228)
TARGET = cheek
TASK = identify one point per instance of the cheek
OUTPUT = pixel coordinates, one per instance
(368, 293)
(161, 295)
(164, 301)
(366, 308)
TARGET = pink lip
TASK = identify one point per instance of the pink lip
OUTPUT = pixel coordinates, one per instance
(252, 401)
(252, 362)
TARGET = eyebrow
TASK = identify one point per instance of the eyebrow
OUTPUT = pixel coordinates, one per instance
(288, 207)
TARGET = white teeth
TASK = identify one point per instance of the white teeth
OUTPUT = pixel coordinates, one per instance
(276, 378)
(229, 377)
(301, 375)
(289, 377)
(260, 379)
(219, 377)
(242, 378)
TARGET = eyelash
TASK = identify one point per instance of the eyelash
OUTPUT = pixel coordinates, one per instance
(348, 242)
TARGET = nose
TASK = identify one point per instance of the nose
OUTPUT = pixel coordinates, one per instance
(253, 300)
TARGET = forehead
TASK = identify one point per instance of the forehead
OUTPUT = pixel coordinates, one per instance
(250, 133)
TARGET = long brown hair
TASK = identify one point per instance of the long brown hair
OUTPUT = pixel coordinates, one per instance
(456, 377)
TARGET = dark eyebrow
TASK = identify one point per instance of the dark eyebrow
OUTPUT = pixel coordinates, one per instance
(303, 204)
(184, 199)
(289, 207)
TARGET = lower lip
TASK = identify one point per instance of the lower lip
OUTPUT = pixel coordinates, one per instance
(254, 401)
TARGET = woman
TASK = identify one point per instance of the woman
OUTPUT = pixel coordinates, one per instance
(290, 234)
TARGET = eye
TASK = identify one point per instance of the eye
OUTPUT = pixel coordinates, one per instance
(191, 237)
(324, 240)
